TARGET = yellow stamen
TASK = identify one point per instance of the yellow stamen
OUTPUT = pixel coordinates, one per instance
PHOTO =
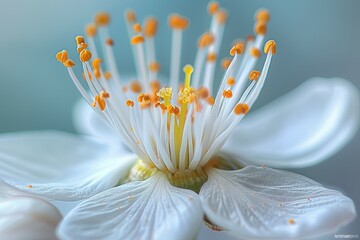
(241, 108)
(62, 56)
(213, 7)
(150, 27)
(270, 45)
(135, 87)
(205, 40)
(225, 63)
(254, 75)
(102, 19)
(178, 22)
(227, 94)
(137, 39)
(137, 27)
(129, 103)
(231, 81)
(90, 30)
(255, 52)
(85, 55)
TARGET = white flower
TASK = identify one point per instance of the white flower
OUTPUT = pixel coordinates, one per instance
(191, 145)
(23, 216)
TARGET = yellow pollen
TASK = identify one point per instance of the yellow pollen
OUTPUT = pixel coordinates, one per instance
(150, 28)
(96, 63)
(137, 39)
(69, 63)
(241, 108)
(107, 75)
(104, 94)
(210, 100)
(270, 45)
(237, 49)
(62, 56)
(205, 40)
(211, 57)
(90, 30)
(203, 92)
(213, 7)
(225, 63)
(255, 52)
(135, 87)
(129, 103)
(227, 94)
(102, 19)
(260, 28)
(291, 221)
(231, 81)
(109, 42)
(221, 16)
(130, 16)
(262, 15)
(137, 27)
(165, 94)
(154, 66)
(85, 55)
(178, 22)
(254, 75)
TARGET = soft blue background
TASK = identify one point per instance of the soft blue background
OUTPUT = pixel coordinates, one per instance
(315, 38)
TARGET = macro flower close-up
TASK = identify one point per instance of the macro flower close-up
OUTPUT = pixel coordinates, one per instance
(181, 153)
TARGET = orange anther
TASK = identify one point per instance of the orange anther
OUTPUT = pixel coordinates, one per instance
(69, 63)
(90, 30)
(137, 39)
(97, 73)
(81, 47)
(206, 39)
(210, 100)
(155, 85)
(178, 22)
(104, 94)
(129, 103)
(221, 16)
(260, 28)
(211, 57)
(100, 102)
(255, 52)
(143, 97)
(254, 75)
(203, 92)
(270, 45)
(241, 108)
(107, 75)
(227, 94)
(96, 63)
(85, 55)
(237, 49)
(29, 186)
(135, 87)
(150, 28)
(130, 16)
(225, 63)
(231, 81)
(109, 42)
(154, 66)
(213, 7)
(291, 221)
(163, 107)
(176, 110)
(62, 56)
(102, 19)
(146, 104)
(79, 40)
(262, 15)
(137, 27)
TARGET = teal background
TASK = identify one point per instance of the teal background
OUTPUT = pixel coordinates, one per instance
(315, 38)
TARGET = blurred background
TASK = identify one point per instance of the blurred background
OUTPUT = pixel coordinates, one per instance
(315, 38)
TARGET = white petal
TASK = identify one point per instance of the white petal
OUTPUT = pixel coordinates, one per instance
(257, 202)
(59, 165)
(150, 209)
(23, 218)
(87, 122)
(301, 128)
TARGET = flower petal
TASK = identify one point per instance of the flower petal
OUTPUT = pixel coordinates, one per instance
(27, 218)
(150, 209)
(257, 202)
(60, 166)
(300, 129)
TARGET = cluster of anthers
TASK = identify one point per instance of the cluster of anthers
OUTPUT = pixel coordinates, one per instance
(178, 128)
